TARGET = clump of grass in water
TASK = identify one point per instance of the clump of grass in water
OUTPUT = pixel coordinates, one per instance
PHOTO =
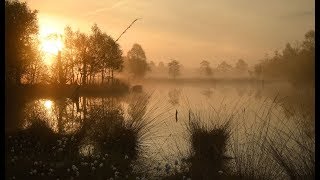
(207, 155)
(208, 147)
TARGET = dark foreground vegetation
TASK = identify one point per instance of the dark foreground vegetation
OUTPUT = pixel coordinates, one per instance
(108, 143)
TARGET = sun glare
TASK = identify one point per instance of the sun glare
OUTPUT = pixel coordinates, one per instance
(50, 44)
(48, 104)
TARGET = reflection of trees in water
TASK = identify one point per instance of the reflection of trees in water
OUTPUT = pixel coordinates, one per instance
(241, 90)
(174, 96)
(207, 92)
(258, 94)
(60, 114)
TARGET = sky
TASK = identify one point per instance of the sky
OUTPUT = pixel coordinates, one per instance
(187, 30)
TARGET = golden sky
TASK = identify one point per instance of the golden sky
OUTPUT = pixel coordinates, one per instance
(187, 30)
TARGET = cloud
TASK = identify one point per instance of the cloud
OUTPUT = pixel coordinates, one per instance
(97, 11)
(299, 14)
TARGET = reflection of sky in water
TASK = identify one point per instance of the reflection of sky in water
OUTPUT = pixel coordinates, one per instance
(60, 115)
(167, 137)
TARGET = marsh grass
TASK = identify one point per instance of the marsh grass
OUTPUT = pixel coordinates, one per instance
(254, 143)
(208, 148)
(273, 146)
(106, 145)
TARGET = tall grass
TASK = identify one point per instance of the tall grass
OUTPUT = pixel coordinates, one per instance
(273, 146)
(208, 149)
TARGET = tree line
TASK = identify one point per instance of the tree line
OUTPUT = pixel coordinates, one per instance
(293, 63)
(85, 58)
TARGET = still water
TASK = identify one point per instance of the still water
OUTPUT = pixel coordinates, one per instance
(167, 109)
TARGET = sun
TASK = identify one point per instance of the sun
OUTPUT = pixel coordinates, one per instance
(50, 42)
(48, 104)
(52, 46)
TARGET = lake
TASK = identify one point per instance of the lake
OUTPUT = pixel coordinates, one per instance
(166, 110)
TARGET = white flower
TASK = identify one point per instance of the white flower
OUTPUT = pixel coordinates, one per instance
(101, 164)
(95, 161)
(35, 163)
(74, 168)
(77, 173)
(59, 141)
(93, 168)
(220, 172)
(126, 157)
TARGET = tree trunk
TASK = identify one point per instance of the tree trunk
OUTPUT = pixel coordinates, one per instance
(60, 68)
(112, 76)
(84, 75)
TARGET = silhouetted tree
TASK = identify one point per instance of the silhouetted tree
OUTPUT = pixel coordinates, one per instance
(82, 55)
(241, 66)
(105, 54)
(161, 67)
(224, 67)
(137, 61)
(295, 64)
(152, 66)
(70, 64)
(205, 68)
(21, 29)
(174, 68)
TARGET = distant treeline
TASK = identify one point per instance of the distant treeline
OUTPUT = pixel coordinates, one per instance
(95, 58)
(295, 64)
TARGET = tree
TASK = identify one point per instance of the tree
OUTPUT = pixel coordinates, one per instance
(104, 53)
(205, 68)
(152, 66)
(113, 56)
(21, 29)
(137, 61)
(174, 68)
(161, 66)
(81, 43)
(224, 67)
(241, 66)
